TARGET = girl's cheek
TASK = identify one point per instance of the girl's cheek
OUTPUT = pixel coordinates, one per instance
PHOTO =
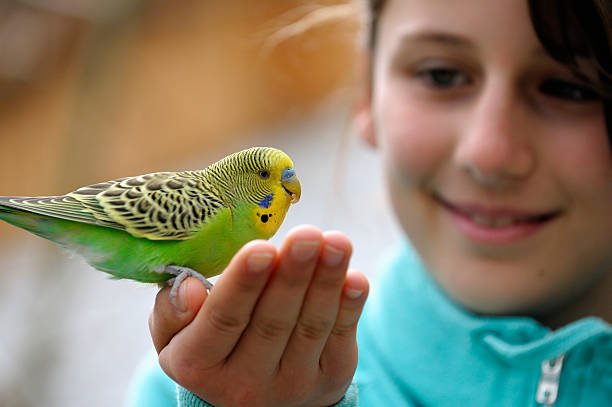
(581, 157)
(414, 141)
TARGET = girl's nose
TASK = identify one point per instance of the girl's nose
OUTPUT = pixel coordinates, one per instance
(494, 148)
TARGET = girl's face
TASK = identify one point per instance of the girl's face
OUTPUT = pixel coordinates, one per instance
(496, 156)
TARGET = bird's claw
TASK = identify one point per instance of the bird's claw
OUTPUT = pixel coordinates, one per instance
(181, 274)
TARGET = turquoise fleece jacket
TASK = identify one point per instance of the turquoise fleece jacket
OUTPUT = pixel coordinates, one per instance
(418, 348)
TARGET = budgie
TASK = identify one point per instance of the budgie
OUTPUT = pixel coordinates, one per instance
(167, 225)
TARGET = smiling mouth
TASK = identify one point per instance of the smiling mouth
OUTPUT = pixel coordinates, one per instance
(496, 218)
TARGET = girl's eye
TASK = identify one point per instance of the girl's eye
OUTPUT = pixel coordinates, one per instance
(570, 91)
(443, 77)
(264, 174)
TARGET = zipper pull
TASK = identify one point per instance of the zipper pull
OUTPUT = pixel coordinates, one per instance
(548, 386)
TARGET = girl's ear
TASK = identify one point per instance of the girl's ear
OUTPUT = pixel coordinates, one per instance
(362, 115)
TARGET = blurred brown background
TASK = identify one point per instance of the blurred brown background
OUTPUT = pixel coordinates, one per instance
(93, 90)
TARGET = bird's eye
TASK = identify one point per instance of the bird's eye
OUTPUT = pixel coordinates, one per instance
(264, 174)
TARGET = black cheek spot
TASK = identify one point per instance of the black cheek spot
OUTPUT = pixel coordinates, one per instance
(264, 218)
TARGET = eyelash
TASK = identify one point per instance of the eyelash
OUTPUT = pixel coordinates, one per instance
(566, 90)
(447, 78)
(442, 77)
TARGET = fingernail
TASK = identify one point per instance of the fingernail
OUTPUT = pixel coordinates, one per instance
(259, 261)
(352, 293)
(304, 250)
(332, 256)
(182, 305)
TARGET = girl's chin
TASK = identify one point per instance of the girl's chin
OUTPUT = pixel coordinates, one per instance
(491, 305)
(492, 295)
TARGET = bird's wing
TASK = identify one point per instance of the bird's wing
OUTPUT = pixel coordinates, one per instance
(157, 206)
(64, 207)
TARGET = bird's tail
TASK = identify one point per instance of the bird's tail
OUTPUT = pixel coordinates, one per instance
(24, 220)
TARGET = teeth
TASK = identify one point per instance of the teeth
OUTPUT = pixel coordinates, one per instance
(495, 222)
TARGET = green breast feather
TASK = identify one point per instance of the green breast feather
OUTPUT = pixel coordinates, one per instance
(135, 227)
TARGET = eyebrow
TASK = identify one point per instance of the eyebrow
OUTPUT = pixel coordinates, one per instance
(413, 37)
(417, 36)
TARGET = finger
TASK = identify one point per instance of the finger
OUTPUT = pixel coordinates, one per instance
(339, 356)
(321, 304)
(222, 319)
(274, 318)
(166, 319)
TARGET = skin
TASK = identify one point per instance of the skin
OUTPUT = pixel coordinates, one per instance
(462, 108)
(281, 334)
(494, 139)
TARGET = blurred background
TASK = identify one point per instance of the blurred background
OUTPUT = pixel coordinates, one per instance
(92, 90)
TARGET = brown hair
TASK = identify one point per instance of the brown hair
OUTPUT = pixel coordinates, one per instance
(579, 33)
(576, 33)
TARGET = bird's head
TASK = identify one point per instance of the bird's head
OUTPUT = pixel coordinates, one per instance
(264, 179)
(273, 173)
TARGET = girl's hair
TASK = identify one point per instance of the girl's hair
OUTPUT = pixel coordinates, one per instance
(579, 34)
(576, 33)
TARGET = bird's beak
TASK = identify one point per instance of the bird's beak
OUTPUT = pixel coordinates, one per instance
(291, 184)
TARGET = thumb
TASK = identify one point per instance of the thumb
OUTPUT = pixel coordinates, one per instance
(167, 319)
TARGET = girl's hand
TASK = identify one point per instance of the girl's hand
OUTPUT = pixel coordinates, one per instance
(278, 328)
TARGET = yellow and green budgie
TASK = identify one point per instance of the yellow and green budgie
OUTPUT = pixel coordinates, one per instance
(155, 227)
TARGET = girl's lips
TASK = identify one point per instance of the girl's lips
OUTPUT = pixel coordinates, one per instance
(496, 225)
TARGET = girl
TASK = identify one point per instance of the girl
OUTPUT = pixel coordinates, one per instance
(491, 121)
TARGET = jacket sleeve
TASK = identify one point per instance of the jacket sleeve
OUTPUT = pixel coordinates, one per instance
(188, 399)
(150, 387)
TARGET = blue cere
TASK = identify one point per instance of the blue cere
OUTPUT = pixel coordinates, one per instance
(267, 201)
(287, 174)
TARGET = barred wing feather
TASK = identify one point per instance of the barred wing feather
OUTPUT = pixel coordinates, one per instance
(156, 206)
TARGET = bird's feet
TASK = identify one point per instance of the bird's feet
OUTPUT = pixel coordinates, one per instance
(181, 274)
